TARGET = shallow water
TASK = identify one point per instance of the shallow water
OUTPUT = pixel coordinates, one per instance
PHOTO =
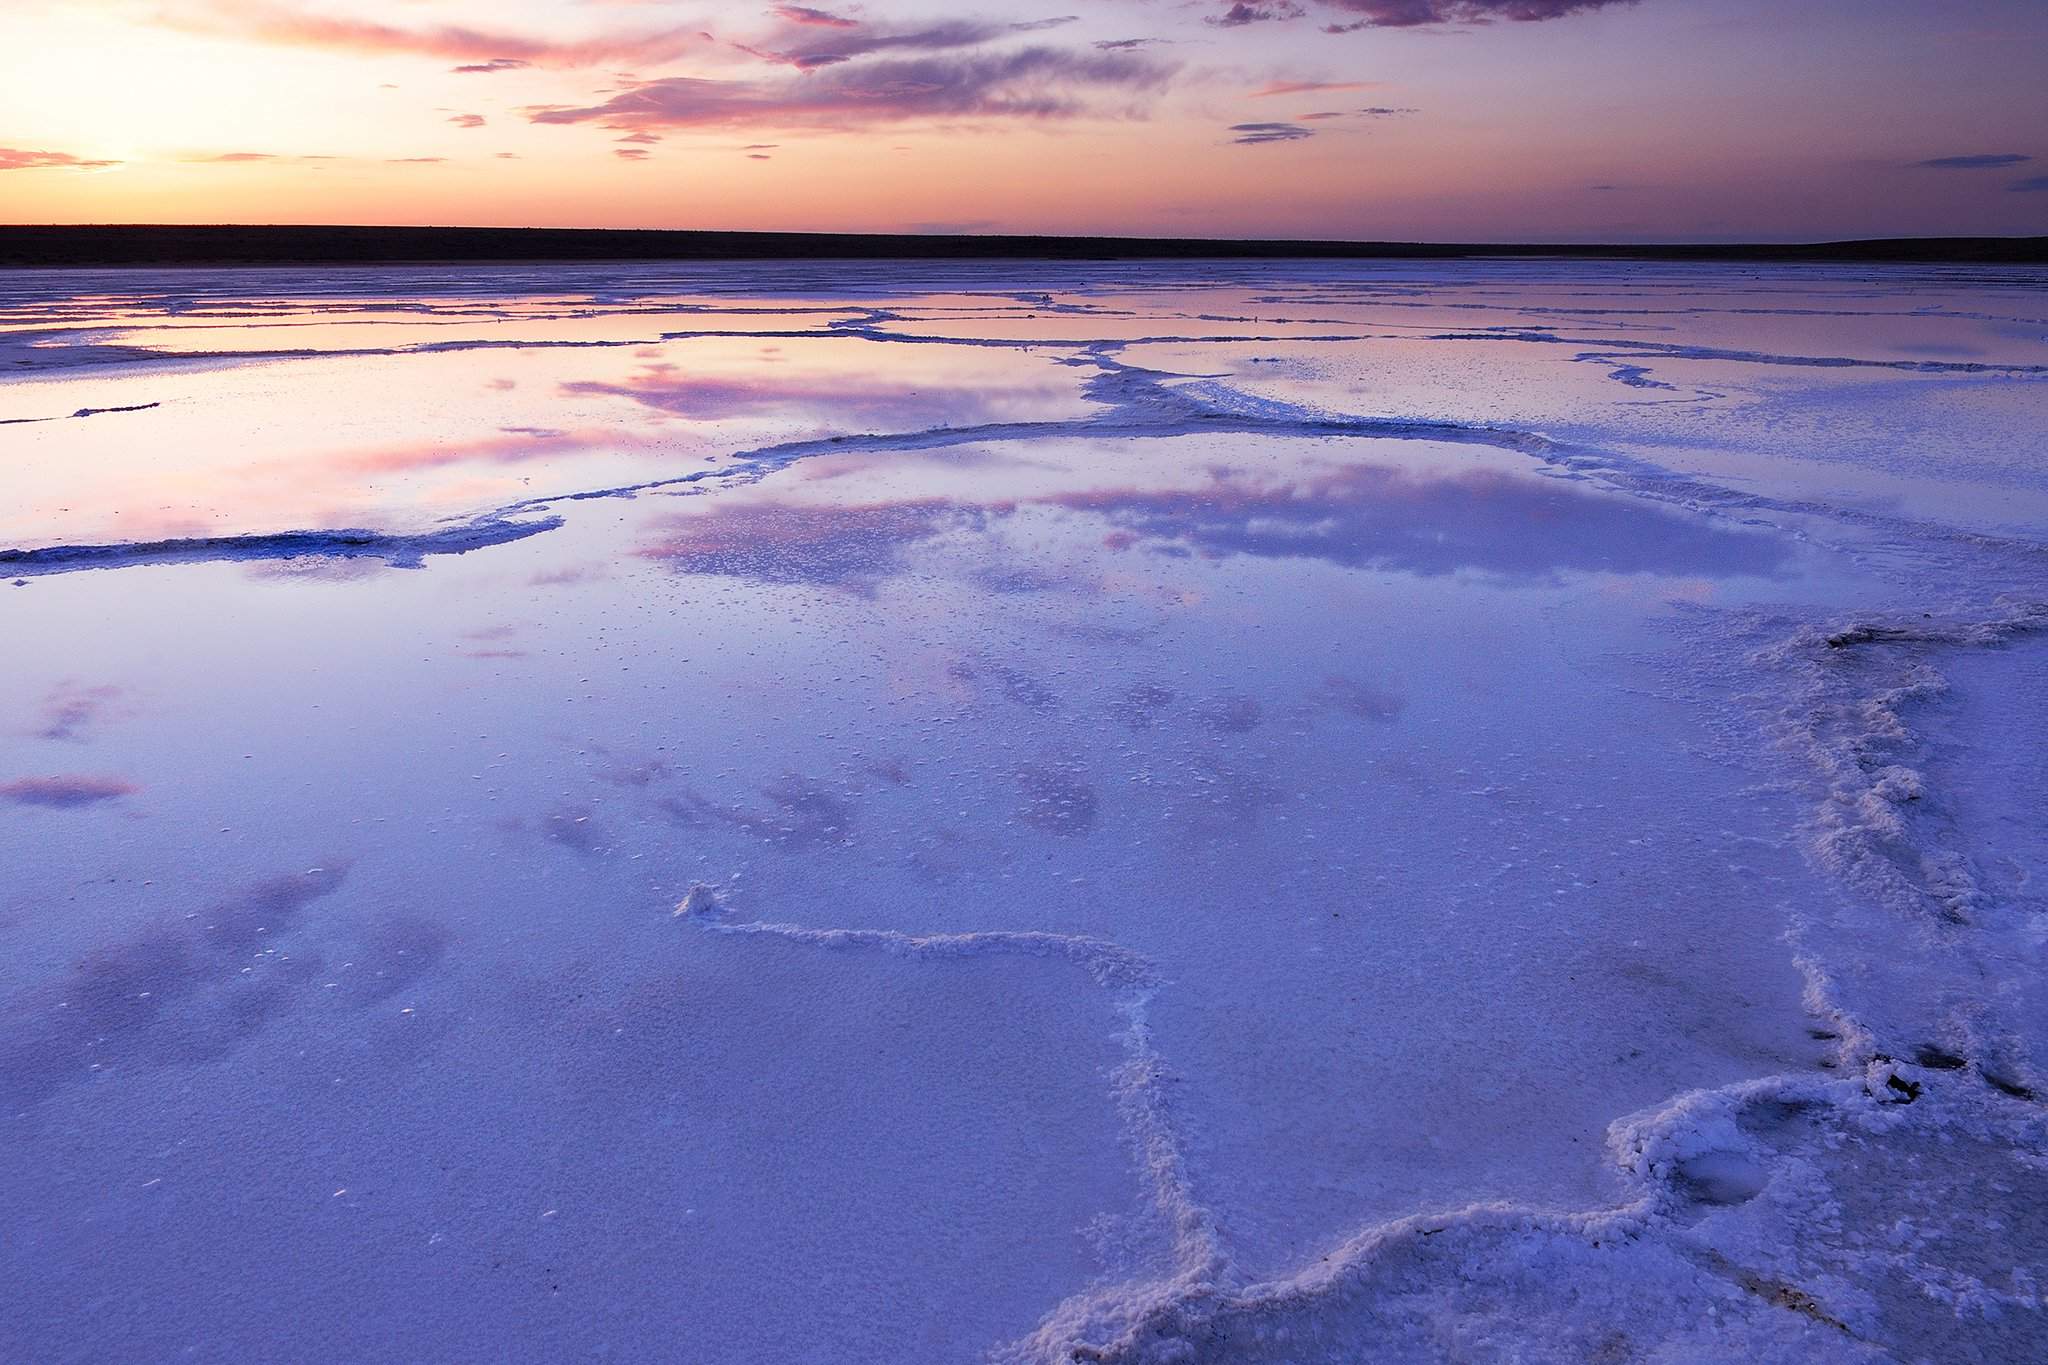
(1235, 813)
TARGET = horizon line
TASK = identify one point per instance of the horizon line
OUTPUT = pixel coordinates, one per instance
(86, 245)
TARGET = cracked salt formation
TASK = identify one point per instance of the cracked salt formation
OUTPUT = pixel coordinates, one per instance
(1140, 813)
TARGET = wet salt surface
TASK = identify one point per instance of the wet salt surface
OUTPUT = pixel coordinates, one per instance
(1238, 813)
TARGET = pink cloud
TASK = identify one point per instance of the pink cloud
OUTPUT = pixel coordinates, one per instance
(804, 14)
(479, 49)
(19, 159)
(1307, 87)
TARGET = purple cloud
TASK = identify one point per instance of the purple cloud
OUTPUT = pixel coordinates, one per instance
(1252, 134)
(1240, 14)
(808, 49)
(1377, 111)
(1414, 13)
(1984, 162)
(1032, 83)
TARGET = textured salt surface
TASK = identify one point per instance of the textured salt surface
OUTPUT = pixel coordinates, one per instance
(1196, 813)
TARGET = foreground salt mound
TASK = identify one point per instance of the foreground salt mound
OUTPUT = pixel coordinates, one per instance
(1902, 1214)
(1782, 1221)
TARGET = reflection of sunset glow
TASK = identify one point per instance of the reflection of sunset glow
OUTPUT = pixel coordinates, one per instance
(384, 414)
(383, 441)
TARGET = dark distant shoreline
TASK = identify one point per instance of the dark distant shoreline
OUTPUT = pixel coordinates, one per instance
(146, 245)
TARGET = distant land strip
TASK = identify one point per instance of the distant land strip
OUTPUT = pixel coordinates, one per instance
(94, 245)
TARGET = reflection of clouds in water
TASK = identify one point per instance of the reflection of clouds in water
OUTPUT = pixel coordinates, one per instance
(569, 576)
(511, 446)
(183, 991)
(849, 464)
(799, 811)
(1016, 581)
(70, 710)
(1357, 516)
(1231, 715)
(491, 642)
(847, 547)
(320, 568)
(947, 857)
(573, 827)
(1360, 699)
(1140, 706)
(851, 398)
(392, 954)
(802, 813)
(1008, 681)
(1057, 798)
(1217, 803)
(64, 791)
(1373, 516)
(619, 773)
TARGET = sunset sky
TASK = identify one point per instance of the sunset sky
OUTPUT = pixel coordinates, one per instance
(1444, 119)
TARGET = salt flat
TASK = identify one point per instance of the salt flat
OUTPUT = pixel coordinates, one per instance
(1242, 812)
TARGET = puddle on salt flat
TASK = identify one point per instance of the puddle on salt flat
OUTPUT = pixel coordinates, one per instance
(1288, 681)
(1387, 755)
(1052, 328)
(400, 442)
(1943, 447)
(227, 335)
(1428, 508)
(1291, 718)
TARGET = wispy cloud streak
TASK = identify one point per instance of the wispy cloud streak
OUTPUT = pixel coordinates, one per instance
(22, 159)
(1029, 83)
(478, 49)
